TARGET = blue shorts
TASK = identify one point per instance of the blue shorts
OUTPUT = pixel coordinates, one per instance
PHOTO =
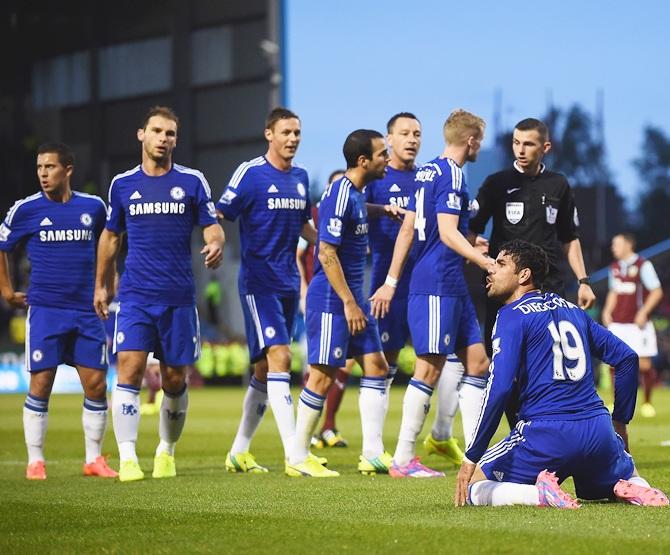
(59, 335)
(172, 333)
(393, 328)
(268, 320)
(329, 342)
(442, 325)
(589, 450)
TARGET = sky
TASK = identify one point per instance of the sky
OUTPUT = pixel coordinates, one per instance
(353, 64)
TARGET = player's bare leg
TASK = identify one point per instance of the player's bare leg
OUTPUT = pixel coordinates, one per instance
(172, 418)
(94, 421)
(126, 411)
(416, 406)
(35, 421)
(473, 386)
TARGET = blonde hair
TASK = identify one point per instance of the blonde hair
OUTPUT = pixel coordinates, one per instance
(460, 125)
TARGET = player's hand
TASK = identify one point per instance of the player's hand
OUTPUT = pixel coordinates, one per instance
(585, 296)
(487, 263)
(621, 429)
(381, 300)
(394, 212)
(356, 319)
(462, 482)
(15, 299)
(101, 302)
(481, 244)
(213, 255)
(641, 319)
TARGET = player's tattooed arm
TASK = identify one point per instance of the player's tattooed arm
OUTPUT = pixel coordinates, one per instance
(215, 239)
(15, 298)
(108, 248)
(356, 319)
(381, 300)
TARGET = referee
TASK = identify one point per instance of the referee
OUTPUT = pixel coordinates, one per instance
(530, 202)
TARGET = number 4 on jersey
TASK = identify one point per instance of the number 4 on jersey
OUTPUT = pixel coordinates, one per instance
(420, 219)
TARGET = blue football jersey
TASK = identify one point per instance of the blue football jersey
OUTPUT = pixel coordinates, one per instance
(159, 214)
(61, 245)
(272, 206)
(396, 188)
(547, 343)
(343, 221)
(441, 189)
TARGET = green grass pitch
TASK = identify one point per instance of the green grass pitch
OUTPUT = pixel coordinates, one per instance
(207, 510)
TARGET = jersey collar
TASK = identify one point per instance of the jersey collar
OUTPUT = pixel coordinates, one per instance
(517, 168)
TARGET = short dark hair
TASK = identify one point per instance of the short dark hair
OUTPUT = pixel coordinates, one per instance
(279, 113)
(333, 174)
(532, 124)
(164, 111)
(528, 255)
(391, 122)
(628, 236)
(64, 152)
(359, 143)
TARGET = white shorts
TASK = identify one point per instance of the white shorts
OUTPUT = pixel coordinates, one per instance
(642, 341)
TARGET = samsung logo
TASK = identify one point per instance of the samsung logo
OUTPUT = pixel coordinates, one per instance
(286, 203)
(156, 208)
(47, 236)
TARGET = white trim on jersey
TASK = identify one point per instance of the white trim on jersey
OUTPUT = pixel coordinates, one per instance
(27, 341)
(242, 169)
(342, 197)
(456, 175)
(436, 167)
(433, 324)
(251, 303)
(198, 174)
(19, 203)
(119, 176)
(196, 351)
(86, 195)
(505, 445)
(326, 336)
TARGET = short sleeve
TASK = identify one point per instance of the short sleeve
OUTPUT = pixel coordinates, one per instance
(334, 212)
(116, 216)
(648, 276)
(238, 195)
(610, 279)
(449, 191)
(206, 212)
(16, 226)
(567, 221)
(100, 217)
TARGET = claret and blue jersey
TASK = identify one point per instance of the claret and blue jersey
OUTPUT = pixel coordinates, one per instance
(547, 343)
(159, 214)
(396, 188)
(61, 239)
(272, 206)
(440, 189)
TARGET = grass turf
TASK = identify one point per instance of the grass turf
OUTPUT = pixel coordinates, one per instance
(206, 509)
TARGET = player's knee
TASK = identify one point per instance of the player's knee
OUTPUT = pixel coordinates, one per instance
(479, 367)
(41, 383)
(320, 379)
(279, 358)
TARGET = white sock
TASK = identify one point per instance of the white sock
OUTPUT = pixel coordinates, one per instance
(447, 400)
(171, 420)
(310, 406)
(35, 423)
(281, 402)
(498, 494)
(470, 398)
(639, 481)
(415, 408)
(126, 419)
(372, 406)
(393, 370)
(94, 422)
(253, 409)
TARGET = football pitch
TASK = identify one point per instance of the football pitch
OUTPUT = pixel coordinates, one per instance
(206, 509)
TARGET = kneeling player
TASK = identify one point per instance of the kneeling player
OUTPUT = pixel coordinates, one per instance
(545, 343)
(61, 227)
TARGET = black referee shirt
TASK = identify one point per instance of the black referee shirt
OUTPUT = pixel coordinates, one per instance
(539, 209)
